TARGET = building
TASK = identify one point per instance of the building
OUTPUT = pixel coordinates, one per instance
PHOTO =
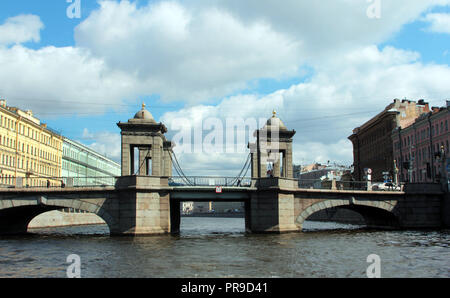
(320, 176)
(187, 207)
(30, 151)
(417, 147)
(214, 207)
(372, 142)
(83, 166)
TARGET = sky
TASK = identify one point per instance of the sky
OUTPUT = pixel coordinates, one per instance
(326, 67)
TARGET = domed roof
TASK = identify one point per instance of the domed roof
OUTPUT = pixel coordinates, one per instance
(275, 122)
(144, 115)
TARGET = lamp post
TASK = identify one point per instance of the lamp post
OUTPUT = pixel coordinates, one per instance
(395, 173)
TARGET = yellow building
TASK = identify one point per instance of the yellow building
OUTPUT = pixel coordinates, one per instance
(29, 151)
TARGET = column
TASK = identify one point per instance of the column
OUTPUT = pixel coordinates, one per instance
(156, 160)
(126, 155)
(287, 164)
(276, 165)
(254, 165)
(167, 164)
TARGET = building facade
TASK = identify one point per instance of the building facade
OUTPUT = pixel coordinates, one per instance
(83, 166)
(30, 152)
(319, 176)
(372, 142)
(417, 147)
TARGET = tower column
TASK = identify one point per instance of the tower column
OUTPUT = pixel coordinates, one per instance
(156, 160)
(276, 165)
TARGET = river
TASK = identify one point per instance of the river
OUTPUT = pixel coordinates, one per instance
(219, 247)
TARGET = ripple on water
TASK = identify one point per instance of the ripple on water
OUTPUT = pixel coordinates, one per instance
(212, 247)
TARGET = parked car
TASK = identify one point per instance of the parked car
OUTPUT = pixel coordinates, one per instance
(385, 186)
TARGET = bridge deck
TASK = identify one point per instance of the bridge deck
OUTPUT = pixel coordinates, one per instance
(189, 189)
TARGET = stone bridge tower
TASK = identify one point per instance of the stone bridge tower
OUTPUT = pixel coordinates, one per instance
(273, 147)
(271, 210)
(143, 133)
(143, 203)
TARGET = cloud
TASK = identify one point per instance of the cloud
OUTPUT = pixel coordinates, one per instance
(330, 27)
(105, 143)
(187, 54)
(325, 109)
(21, 29)
(189, 51)
(439, 22)
(60, 81)
(203, 52)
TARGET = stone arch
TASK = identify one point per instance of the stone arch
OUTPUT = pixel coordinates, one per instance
(23, 210)
(370, 210)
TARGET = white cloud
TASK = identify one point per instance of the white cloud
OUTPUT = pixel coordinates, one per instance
(324, 110)
(20, 29)
(55, 81)
(439, 22)
(330, 27)
(187, 54)
(105, 143)
(197, 51)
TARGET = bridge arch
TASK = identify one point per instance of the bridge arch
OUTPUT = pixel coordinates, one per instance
(380, 214)
(16, 214)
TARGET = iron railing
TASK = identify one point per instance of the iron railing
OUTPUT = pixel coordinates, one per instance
(56, 182)
(213, 181)
(348, 185)
(210, 181)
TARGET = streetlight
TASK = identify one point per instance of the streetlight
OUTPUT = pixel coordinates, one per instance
(395, 173)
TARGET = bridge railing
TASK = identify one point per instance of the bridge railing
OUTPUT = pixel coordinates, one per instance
(348, 185)
(210, 181)
(56, 182)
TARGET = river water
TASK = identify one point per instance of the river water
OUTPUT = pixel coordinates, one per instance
(218, 247)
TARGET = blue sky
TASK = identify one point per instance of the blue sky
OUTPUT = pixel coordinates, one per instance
(325, 67)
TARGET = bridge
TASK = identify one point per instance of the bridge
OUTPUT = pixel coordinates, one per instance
(146, 199)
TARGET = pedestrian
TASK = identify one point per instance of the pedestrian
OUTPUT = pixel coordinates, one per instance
(62, 184)
(48, 183)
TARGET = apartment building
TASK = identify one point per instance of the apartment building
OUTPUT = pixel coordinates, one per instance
(372, 141)
(30, 151)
